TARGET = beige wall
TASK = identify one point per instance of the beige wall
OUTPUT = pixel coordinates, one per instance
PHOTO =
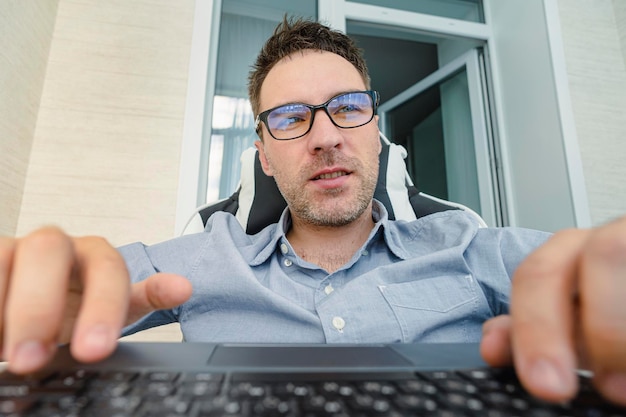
(594, 38)
(105, 156)
(25, 33)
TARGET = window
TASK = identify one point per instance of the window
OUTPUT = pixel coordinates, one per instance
(470, 10)
(516, 42)
(244, 27)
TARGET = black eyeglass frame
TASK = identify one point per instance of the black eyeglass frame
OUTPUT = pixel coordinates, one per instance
(262, 117)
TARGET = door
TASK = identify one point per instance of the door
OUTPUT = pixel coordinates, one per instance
(427, 65)
(442, 121)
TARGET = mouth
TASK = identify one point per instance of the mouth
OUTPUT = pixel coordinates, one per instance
(330, 175)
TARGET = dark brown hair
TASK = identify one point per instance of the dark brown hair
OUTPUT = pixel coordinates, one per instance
(292, 36)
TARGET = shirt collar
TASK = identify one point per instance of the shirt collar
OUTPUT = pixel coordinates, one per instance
(278, 232)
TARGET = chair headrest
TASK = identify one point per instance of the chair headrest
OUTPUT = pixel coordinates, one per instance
(258, 203)
(261, 204)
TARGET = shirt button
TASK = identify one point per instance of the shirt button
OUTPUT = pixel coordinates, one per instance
(365, 253)
(283, 248)
(339, 323)
(288, 262)
(328, 289)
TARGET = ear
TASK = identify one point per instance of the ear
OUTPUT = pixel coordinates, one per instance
(263, 158)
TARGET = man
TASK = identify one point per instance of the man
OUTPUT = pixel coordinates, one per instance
(334, 269)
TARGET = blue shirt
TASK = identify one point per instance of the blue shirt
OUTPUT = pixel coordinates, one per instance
(436, 279)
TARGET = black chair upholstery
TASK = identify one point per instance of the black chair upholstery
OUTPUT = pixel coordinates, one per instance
(264, 204)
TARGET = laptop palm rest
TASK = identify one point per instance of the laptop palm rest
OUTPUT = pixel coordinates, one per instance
(282, 358)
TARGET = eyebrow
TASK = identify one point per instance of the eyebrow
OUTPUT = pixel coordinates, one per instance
(354, 90)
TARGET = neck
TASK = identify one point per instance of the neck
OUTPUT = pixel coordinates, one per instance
(330, 247)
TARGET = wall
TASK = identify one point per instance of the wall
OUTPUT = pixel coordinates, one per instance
(594, 41)
(538, 190)
(106, 149)
(105, 157)
(25, 35)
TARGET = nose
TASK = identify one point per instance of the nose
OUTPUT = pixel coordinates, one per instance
(324, 135)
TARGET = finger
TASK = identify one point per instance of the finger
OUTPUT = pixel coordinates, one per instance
(603, 308)
(158, 292)
(7, 249)
(104, 299)
(542, 311)
(36, 298)
(495, 346)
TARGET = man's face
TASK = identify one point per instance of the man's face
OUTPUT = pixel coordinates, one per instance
(328, 176)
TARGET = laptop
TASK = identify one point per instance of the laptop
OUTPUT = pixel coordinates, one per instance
(201, 379)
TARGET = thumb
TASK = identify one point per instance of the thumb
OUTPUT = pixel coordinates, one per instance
(158, 292)
(495, 346)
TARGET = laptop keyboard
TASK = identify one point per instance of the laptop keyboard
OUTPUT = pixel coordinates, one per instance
(478, 392)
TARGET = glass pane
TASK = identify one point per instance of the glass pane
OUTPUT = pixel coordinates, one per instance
(394, 63)
(417, 126)
(470, 10)
(436, 128)
(244, 27)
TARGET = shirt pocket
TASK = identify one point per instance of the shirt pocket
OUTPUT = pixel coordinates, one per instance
(436, 309)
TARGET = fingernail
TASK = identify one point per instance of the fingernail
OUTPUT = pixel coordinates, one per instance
(98, 338)
(614, 387)
(28, 356)
(547, 376)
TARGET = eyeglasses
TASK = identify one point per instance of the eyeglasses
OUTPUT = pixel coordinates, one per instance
(347, 110)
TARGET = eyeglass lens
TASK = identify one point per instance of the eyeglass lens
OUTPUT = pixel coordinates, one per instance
(347, 110)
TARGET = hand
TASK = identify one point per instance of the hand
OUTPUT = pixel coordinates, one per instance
(57, 289)
(568, 311)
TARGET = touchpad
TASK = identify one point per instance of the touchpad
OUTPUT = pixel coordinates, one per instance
(290, 356)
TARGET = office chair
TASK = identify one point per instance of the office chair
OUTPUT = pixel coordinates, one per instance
(257, 202)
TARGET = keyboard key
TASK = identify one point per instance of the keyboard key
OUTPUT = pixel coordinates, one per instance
(484, 392)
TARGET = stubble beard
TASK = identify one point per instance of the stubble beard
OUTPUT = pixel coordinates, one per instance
(331, 209)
